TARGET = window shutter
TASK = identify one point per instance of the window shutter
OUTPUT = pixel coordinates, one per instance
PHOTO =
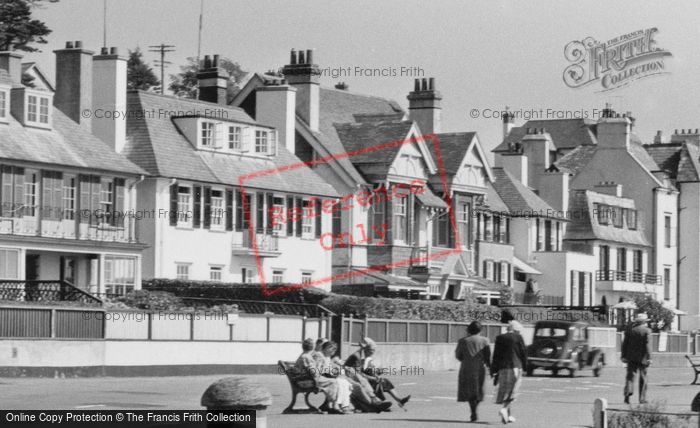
(267, 210)
(239, 210)
(300, 207)
(58, 196)
(46, 206)
(118, 214)
(272, 149)
(409, 216)
(19, 192)
(229, 209)
(6, 191)
(290, 224)
(173, 204)
(95, 187)
(319, 219)
(197, 206)
(574, 288)
(207, 207)
(246, 138)
(218, 135)
(259, 212)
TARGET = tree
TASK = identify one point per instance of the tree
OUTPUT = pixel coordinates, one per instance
(17, 28)
(660, 318)
(184, 84)
(139, 75)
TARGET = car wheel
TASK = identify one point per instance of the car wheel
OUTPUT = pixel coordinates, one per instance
(555, 372)
(572, 372)
(529, 370)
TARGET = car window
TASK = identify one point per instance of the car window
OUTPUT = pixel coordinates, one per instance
(551, 332)
(578, 334)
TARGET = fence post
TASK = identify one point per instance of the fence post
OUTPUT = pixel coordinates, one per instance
(600, 416)
(303, 328)
(52, 323)
(350, 325)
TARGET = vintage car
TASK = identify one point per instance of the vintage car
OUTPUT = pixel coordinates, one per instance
(559, 345)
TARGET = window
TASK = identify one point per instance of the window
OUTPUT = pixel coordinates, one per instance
(261, 143)
(43, 110)
(215, 273)
(632, 219)
(9, 263)
(182, 271)
(218, 210)
(30, 193)
(603, 214)
(604, 262)
(106, 198)
(548, 236)
(307, 221)
(207, 137)
(496, 228)
(667, 283)
(234, 137)
(617, 216)
(400, 219)
(667, 231)
(184, 205)
(488, 269)
(31, 108)
(488, 231)
(3, 104)
(637, 261)
(505, 273)
(306, 277)
(621, 259)
(247, 275)
(539, 230)
(278, 213)
(463, 216)
(277, 276)
(69, 197)
(120, 274)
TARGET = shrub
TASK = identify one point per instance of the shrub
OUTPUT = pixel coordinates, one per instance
(648, 416)
(660, 318)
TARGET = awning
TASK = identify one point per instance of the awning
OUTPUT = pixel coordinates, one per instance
(524, 267)
(430, 199)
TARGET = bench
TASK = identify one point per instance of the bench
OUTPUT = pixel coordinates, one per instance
(695, 364)
(301, 383)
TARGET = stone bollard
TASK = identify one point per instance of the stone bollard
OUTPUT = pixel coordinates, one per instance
(237, 393)
(695, 406)
(600, 414)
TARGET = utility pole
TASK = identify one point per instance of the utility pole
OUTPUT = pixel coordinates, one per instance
(162, 49)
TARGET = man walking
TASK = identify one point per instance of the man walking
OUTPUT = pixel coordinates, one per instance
(636, 353)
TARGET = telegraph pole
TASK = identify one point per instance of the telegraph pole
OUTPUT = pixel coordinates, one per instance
(162, 49)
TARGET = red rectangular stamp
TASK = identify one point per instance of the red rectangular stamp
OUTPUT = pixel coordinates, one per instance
(375, 234)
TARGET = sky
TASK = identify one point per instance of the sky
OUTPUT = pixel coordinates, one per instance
(484, 55)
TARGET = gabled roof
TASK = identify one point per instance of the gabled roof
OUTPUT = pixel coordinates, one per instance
(637, 151)
(357, 136)
(492, 201)
(66, 144)
(666, 156)
(577, 159)
(566, 133)
(689, 165)
(584, 225)
(520, 200)
(454, 147)
(33, 69)
(154, 142)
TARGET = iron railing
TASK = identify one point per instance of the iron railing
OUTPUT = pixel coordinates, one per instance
(618, 275)
(122, 229)
(263, 242)
(45, 291)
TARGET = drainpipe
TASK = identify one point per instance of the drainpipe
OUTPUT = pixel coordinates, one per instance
(161, 230)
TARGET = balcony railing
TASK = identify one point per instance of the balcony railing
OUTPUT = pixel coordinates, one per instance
(45, 291)
(265, 244)
(124, 231)
(618, 275)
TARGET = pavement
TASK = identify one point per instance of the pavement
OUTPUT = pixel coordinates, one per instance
(544, 401)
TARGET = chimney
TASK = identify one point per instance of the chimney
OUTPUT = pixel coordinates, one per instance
(212, 81)
(609, 188)
(109, 81)
(275, 105)
(74, 82)
(554, 189)
(424, 106)
(516, 164)
(614, 132)
(537, 146)
(508, 122)
(659, 137)
(304, 75)
(12, 63)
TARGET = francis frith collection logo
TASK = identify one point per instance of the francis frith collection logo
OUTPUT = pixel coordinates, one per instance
(615, 63)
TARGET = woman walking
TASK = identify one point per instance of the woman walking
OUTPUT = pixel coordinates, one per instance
(509, 359)
(475, 356)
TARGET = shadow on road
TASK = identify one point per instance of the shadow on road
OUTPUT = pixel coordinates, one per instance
(432, 421)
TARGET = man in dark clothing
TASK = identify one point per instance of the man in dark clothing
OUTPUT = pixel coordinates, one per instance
(636, 353)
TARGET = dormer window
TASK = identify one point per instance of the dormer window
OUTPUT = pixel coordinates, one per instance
(261, 142)
(37, 109)
(234, 138)
(207, 136)
(3, 104)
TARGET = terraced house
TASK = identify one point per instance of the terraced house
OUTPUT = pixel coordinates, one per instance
(66, 195)
(217, 174)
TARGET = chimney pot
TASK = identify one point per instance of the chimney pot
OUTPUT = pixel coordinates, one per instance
(207, 62)
(69, 45)
(104, 51)
(293, 57)
(78, 44)
(301, 57)
(310, 56)
(416, 85)
(675, 131)
(114, 50)
(425, 84)
(215, 61)
(431, 83)
(696, 130)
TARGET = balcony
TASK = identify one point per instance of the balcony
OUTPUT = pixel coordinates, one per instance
(267, 245)
(615, 280)
(124, 232)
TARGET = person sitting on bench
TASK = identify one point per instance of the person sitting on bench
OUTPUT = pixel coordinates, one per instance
(307, 364)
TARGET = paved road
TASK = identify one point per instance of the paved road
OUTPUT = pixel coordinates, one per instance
(544, 402)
